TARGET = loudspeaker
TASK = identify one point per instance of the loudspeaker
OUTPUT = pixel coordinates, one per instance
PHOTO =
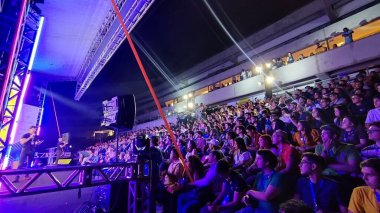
(127, 111)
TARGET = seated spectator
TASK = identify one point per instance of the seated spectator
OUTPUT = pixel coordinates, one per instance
(288, 155)
(341, 158)
(373, 151)
(295, 206)
(339, 111)
(319, 118)
(373, 114)
(359, 107)
(251, 132)
(347, 35)
(242, 158)
(328, 111)
(92, 158)
(233, 189)
(352, 133)
(205, 188)
(336, 99)
(242, 133)
(366, 199)
(268, 190)
(320, 193)
(192, 149)
(306, 138)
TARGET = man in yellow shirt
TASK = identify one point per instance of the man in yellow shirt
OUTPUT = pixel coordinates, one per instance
(366, 199)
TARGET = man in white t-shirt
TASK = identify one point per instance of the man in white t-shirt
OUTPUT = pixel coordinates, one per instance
(374, 114)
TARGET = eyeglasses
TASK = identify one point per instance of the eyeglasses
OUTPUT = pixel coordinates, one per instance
(372, 131)
(304, 162)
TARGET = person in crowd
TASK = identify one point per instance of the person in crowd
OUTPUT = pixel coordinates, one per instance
(328, 111)
(318, 192)
(289, 58)
(287, 154)
(295, 206)
(268, 191)
(373, 114)
(205, 189)
(336, 99)
(352, 133)
(306, 138)
(358, 107)
(242, 158)
(373, 151)
(366, 199)
(253, 145)
(347, 35)
(339, 111)
(233, 189)
(92, 158)
(200, 141)
(319, 118)
(320, 48)
(192, 149)
(196, 167)
(342, 158)
(242, 133)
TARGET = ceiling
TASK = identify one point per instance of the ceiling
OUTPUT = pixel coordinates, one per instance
(177, 34)
(69, 28)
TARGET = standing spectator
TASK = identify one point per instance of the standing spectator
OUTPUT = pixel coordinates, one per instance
(347, 35)
(366, 199)
(290, 58)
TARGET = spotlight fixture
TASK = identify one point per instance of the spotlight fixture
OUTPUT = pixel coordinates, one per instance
(185, 97)
(190, 105)
(269, 79)
(259, 69)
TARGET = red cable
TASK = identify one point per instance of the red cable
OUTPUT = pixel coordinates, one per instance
(142, 69)
(55, 114)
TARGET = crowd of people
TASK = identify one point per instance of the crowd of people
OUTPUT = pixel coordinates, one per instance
(316, 148)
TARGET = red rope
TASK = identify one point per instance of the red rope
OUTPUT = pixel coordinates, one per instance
(142, 69)
(55, 114)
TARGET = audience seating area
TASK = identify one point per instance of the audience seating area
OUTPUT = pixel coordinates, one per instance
(303, 149)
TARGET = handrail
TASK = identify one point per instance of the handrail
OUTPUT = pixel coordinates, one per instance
(76, 177)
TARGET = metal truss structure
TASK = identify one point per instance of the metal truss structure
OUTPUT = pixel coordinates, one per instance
(109, 37)
(19, 75)
(59, 178)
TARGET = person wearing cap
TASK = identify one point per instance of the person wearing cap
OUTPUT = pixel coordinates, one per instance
(28, 141)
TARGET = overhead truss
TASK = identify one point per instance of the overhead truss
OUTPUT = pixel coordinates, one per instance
(109, 37)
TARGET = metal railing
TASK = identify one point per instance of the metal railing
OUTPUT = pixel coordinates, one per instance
(59, 178)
